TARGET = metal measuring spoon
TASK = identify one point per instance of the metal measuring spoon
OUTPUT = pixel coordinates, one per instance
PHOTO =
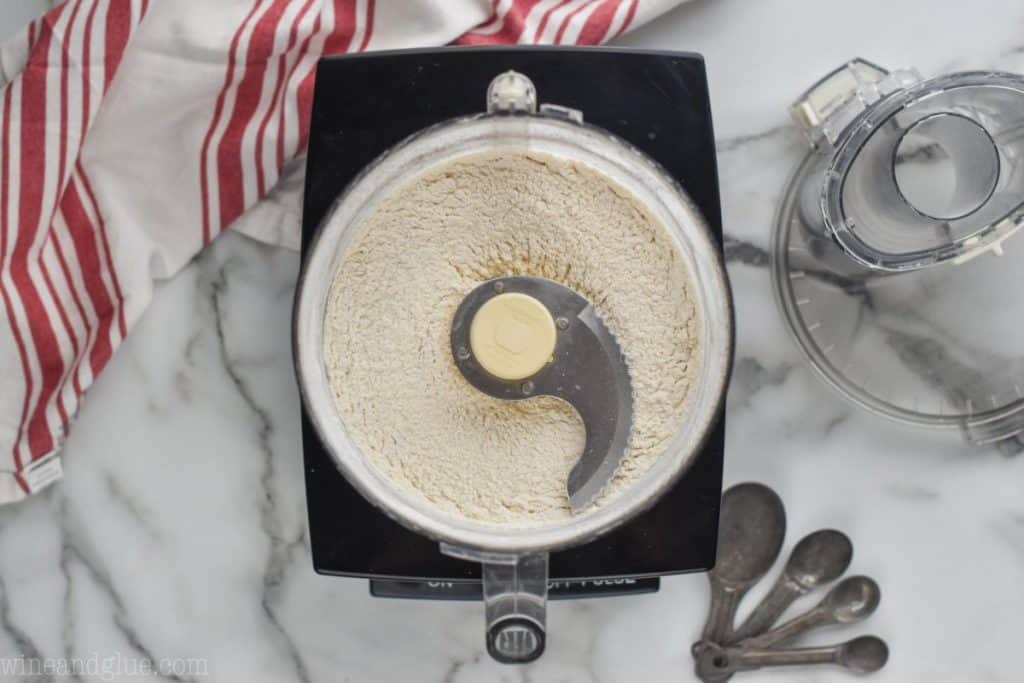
(860, 655)
(851, 600)
(818, 559)
(752, 526)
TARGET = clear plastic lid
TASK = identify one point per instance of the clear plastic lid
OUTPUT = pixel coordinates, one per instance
(932, 346)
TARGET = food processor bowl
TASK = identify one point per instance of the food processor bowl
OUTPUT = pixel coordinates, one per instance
(515, 558)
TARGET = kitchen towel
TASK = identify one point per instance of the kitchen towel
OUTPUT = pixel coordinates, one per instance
(132, 132)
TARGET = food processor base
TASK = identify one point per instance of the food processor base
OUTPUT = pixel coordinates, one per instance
(363, 106)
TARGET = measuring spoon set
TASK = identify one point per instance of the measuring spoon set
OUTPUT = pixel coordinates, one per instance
(751, 532)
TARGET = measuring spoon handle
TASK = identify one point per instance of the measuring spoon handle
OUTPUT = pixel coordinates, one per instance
(779, 598)
(742, 659)
(791, 629)
(724, 600)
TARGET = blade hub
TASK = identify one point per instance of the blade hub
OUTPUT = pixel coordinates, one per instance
(512, 336)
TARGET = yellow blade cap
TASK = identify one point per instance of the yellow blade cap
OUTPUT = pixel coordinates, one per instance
(512, 336)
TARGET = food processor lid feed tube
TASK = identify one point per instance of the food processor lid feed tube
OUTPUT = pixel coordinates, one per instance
(919, 172)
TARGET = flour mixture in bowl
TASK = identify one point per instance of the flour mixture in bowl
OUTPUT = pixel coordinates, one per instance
(423, 249)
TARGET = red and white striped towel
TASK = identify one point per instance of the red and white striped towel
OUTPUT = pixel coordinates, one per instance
(133, 132)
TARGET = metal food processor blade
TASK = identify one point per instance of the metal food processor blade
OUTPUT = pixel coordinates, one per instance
(587, 370)
(606, 406)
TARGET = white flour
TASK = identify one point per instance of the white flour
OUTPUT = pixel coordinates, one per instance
(390, 308)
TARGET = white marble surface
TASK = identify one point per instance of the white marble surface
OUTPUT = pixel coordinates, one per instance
(180, 529)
